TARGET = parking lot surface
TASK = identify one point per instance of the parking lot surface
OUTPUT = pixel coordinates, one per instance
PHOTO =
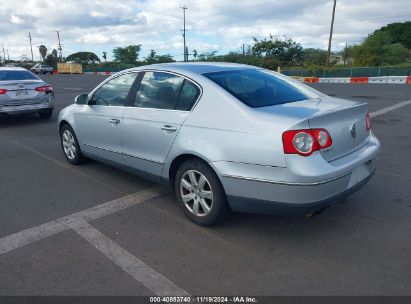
(96, 230)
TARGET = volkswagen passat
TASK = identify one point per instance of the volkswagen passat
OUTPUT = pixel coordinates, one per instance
(225, 137)
(23, 92)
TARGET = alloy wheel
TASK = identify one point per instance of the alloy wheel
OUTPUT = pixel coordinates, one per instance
(196, 193)
(69, 144)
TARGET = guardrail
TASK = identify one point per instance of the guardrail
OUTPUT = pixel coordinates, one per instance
(351, 72)
(371, 80)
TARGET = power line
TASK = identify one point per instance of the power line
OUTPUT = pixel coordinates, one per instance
(296, 26)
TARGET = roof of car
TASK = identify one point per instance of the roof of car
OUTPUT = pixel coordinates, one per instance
(198, 67)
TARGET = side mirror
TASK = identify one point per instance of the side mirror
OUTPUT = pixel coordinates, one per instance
(81, 99)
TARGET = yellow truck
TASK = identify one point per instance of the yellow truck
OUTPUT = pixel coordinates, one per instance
(69, 68)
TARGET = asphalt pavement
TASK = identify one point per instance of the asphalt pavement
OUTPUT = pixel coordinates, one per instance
(362, 247)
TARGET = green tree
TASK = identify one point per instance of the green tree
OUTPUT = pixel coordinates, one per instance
(286, 52)
(83, 57)
(154, 58)
(398, 32)
(378, 49)
(128, 54)
(105, 56)
(43, 51)
(314, 57)
(52, 59)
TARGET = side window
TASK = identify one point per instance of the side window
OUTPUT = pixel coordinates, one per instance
(158, 90)
(114, 92)
(188, 96)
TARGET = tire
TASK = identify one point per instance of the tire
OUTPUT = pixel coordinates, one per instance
(204, 204)
(45, 114)
(70, 146)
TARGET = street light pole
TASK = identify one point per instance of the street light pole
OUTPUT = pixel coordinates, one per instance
(331, 34)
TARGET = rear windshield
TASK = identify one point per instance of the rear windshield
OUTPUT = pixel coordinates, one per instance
(260, 88)
(17, 75)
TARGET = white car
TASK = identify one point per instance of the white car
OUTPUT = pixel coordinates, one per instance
(225, 136)
(23, 92)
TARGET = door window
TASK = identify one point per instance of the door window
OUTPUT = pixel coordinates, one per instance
(114, 92)
(188, 96)
(158, 90)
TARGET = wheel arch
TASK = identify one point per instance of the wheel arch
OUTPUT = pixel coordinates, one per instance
(62, 123)
(178, 160)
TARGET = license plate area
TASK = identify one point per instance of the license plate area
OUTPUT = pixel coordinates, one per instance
(22, 92)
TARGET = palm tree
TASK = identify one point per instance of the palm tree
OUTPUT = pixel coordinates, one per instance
(43, 51)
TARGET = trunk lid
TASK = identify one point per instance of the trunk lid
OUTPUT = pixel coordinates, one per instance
(338, 116)
(22, 89)
(347, 127)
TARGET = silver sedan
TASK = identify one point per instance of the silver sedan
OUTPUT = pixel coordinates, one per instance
(225, 137)
(23, 92)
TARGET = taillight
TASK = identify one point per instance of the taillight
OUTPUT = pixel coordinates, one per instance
(3, 91)
(368, 121)
(43, 89)
(305, 142)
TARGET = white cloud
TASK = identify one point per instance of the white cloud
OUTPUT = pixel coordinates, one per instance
(97, 25)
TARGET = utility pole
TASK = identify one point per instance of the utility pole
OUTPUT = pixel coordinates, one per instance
(4, 53)
(8, 56)
(184, 32)
(243, 49)
(31, 48)
(331, 34)
(345, 53)
(59, 48)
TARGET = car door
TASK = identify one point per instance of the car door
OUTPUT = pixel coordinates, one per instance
(100, 121)
(162, 102)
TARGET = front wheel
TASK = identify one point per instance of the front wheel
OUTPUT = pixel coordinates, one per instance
(70, 146)
(200, 193)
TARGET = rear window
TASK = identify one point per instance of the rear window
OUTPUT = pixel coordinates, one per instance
(260, 88)
(17, 75)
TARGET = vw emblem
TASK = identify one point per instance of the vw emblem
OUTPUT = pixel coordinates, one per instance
(352, 130)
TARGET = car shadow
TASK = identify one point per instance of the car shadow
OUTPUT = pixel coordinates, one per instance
(24, 120)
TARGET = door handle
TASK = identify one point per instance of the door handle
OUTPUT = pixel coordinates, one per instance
(114, 121)
(169, 128)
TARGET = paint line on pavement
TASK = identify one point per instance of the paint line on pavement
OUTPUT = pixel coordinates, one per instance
(34, 234)
(140, 271)
(390, 108)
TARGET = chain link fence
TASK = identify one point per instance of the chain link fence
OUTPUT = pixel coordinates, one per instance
(113, 69)
(352, 72)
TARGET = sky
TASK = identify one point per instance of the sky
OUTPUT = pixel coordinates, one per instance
(220, 25)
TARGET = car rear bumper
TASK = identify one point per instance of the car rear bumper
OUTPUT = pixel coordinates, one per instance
(275, 190)
(244, 204)
(27, 107)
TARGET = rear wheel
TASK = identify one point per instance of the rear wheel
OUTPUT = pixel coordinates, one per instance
(46, 113)
(200, 193)
(70, 146)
